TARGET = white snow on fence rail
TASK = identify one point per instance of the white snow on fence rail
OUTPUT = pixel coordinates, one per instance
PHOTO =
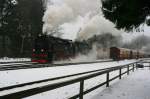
(27, 75)
(135, 86)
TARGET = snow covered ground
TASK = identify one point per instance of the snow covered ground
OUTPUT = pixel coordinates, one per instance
(135, 86)
(6, 59)
(14, 77)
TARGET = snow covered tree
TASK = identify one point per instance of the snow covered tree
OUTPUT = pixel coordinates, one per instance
(29, 13)
(20, 20)
(127, 14)
(6, 8)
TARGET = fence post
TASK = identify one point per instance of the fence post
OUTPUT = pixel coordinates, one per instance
(128, 70)
(120, 73)
(81, 89)
(107, 79)
(136, 66)
(133, 68)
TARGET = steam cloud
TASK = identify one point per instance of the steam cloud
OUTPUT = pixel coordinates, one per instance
(95, 26)
(82, 7)
(56, 15)
(85, 14)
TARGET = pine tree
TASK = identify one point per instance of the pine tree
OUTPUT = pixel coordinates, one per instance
(20, 20)
(6, 8)
(127, 14)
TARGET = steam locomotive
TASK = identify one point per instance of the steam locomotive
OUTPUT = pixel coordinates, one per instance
(47, 49)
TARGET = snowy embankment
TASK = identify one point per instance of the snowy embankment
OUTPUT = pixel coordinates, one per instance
(136, 86)
(27, 75)
(6, 59)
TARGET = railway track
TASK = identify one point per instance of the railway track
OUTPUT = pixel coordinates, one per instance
(29, 65)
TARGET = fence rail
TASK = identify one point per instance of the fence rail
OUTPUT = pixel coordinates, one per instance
(81, 80)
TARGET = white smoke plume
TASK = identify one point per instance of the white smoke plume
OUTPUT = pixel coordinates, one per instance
(82, 7)
(55, 16)
(95, 26)
(60, 13)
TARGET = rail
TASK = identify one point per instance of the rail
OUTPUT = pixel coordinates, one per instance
(29, 65)
(81, 80)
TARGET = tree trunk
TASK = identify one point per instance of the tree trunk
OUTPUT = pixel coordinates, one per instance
(3, 46)
(22, 44)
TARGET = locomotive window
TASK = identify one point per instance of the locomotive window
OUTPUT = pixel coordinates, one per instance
(41, 43)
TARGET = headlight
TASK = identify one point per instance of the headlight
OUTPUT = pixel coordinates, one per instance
(33, 50)
(42, 50)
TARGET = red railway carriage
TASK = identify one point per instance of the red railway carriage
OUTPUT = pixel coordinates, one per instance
(114, 53)
(117, 53)
(120, 53)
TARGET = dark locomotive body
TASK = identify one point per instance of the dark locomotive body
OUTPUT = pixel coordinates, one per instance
(48, 49)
